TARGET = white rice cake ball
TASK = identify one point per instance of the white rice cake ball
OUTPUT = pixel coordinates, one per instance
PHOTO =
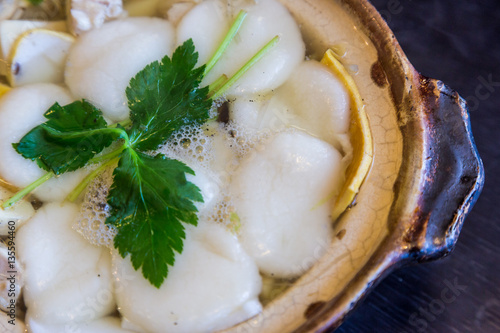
(67, 280)
(283, 196)
(208, 23)
(318, 100)
(312, 99)
(213, 285)
(102, 61)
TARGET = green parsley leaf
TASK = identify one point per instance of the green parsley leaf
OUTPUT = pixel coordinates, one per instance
(72, 135)
(149, 199)
(165, 96)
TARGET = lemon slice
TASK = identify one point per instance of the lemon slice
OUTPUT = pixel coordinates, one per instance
(361, 138)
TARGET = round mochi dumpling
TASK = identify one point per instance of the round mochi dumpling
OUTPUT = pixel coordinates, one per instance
(317, 100)
(102, 62)
(211, 25)
(313, 99)
(209, 22)
(283, 195)
(22, 109)
(67, 280)
(213, 285)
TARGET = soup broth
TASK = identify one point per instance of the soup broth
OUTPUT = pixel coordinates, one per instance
(270, 172)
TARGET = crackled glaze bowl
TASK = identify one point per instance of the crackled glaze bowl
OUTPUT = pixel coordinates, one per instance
(425, 177)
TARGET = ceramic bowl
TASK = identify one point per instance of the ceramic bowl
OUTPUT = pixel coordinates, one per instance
(425, 177)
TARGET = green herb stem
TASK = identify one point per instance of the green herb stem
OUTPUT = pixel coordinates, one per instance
(77, 134)
(150, 196)
(31, 187)
(217, 84)
(90, 177)
(246, 67)
(235, 27)
(108, 156)
(124, 124)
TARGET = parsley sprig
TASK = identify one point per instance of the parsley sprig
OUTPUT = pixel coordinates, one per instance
(150, 198)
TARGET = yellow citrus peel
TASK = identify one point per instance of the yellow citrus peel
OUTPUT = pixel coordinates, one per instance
(361, 138)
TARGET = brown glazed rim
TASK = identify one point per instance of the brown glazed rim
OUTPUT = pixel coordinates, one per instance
(439, 181)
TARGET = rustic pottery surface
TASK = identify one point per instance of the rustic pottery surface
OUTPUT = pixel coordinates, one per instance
(457, 42)
(425, 178)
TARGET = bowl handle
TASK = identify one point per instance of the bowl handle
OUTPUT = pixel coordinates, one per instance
(454, 173)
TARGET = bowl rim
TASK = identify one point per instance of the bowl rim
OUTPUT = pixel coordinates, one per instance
(438, 153)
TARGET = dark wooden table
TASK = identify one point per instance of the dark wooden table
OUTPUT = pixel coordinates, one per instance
(457, 41)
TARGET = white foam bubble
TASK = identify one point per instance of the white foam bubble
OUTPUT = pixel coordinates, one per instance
(201, 149)
(190, 144)
(94, 211)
